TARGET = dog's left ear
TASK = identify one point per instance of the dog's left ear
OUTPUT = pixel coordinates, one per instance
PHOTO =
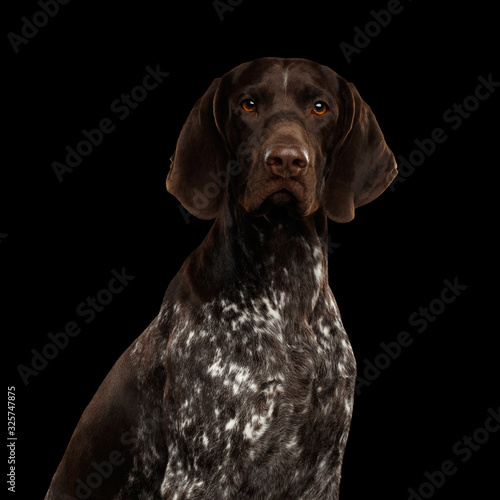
(363, 166)
(197, 172)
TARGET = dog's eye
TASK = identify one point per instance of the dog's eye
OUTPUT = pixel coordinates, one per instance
(320, 108)
(249, 105)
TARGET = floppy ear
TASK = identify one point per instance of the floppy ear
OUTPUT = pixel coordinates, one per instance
(363, 166)
(196, 171)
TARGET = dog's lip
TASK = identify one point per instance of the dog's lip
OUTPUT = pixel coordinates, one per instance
(281, 197)
(283, 191)
(282, 188)
(277, 192)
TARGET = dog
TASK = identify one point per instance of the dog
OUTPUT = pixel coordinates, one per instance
(242, 387)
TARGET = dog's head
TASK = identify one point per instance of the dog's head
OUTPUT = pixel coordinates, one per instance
(281, 132)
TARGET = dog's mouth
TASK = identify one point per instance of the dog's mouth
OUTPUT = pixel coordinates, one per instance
(289, 195)
(282, 197)
(279, 200)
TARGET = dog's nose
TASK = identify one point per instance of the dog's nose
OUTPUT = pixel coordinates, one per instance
(286, 160)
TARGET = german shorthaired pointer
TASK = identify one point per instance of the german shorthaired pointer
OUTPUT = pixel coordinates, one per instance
(242, 387)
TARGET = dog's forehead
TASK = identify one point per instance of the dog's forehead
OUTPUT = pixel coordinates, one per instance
(279, 75)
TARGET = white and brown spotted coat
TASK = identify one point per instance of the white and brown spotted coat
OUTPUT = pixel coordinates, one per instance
(259, 377)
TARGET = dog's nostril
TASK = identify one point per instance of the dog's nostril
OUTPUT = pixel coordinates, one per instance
(300, 162)
(274, 160)
(286, 161)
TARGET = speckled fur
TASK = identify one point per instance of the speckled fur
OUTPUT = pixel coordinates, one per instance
(242, 387)
(259, 379)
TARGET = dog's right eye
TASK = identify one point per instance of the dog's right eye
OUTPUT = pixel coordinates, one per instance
(249, 105)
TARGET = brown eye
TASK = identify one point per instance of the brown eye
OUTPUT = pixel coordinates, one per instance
(249, 105)
(320, 108)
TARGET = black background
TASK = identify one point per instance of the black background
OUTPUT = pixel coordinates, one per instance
(60, 240)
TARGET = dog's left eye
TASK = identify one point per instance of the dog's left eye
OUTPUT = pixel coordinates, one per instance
(249, 105)
(320, 108)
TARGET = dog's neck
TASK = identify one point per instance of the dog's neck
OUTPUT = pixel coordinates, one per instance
(272, 253)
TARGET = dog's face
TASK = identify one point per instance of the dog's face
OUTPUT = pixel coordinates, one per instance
(281, 132)
(277, 123)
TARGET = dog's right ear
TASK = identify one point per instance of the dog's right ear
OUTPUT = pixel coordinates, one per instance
(200, 159)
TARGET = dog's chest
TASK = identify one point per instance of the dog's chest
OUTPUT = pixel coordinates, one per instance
(249, 380)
